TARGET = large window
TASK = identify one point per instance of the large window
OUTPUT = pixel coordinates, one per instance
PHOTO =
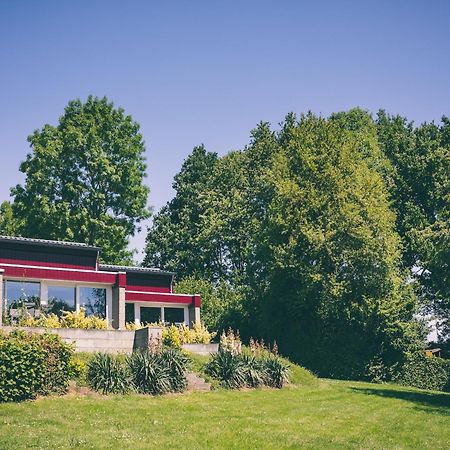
(174, 315)
(93, 300)
(150, 315)
(21, 295)
(60, 298)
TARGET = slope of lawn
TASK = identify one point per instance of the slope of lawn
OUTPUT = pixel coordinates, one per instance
(330, 414)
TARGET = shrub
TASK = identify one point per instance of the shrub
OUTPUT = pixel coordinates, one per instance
(425, 372)
(32, 364)
(171, 336)
(236, 370)
(108, 374)
(228, 368)
(198, 334)
(149, 375)
(276, 371)
(177, 363)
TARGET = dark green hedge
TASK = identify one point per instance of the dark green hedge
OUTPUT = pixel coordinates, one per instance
(425, 372)
(32, 364)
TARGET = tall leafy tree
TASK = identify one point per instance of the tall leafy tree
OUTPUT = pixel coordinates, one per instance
(8, 225)
(85, 179)
(173, 240)
(335, 295)
(420, 158)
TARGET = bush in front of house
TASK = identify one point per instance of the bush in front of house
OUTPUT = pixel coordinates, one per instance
(238, 370)
(108, 374)
(425, 372)
(68, 319)
(152, 372)
(32, 364)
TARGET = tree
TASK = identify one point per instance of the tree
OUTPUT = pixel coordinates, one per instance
(8, 224)
(420, 157)
(84, 179)
(335, 296)
(173, 240)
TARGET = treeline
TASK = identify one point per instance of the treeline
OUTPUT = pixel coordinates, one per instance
(328, 235)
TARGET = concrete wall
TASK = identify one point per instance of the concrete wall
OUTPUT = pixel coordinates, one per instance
(201, 349)
(109, 341)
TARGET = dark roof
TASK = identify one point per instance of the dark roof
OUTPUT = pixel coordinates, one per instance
(47, 242)
(134, 269)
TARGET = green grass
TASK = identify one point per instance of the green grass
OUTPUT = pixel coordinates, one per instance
(331, 414)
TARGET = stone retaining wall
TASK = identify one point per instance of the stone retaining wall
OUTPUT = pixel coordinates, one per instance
(201, 349)
(109, 341)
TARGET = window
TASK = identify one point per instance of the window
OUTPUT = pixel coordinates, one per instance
(22, 294)
(174, 315)
(150, 315)
(93, 300)
(60, 298)
(129, 312)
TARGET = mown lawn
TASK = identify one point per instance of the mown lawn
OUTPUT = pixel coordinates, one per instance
(329, 415)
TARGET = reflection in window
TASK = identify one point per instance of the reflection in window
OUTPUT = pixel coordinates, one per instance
(174, 315)
(150, 315)
(129, 313)
(20, 295)
(93, 300)
(60, 298)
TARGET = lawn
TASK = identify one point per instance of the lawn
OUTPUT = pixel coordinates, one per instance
(331, 415)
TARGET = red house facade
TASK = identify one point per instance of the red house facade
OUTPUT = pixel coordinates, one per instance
(55, 276)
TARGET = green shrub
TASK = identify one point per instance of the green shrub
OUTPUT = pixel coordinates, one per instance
(237, 370)
(276, 371)
(108, 374)
(32, 364)
(177, 363)
(171, 336)
(149, 375)
(227, 367)
(425, 372)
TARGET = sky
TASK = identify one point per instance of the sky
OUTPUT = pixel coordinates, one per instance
(193, 72)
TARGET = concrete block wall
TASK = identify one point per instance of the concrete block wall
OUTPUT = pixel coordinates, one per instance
(108, 341)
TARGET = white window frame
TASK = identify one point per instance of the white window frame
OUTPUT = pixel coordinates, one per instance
(44, 283)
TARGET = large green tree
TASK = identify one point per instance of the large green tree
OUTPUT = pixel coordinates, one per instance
(85, 179)
(7, 221)
(420, 158)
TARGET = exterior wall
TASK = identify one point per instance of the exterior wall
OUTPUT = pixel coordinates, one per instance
(194, 315)
(201, 349)
(118, 308)
(108, 341)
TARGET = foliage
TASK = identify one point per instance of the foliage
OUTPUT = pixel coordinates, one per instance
(69, 319)
(248, 369)
(32, 364)
(171, 336)
(425, 372)
(197, 334)
(84, 179)
(158, 373)
(220, 302)
(299, 226)
(108, 374)
(7, 221)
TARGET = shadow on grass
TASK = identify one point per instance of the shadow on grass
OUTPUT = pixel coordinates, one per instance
(432, 402)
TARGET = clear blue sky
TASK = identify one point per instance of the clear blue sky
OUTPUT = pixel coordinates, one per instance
(208, 71)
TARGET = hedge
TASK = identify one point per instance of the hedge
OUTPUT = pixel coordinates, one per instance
(425, 372)
(32, 364)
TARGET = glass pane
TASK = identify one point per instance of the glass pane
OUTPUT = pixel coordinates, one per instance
(60, 298)
(22, 294)
(174, 315)
(150, 315)
(93, 300)
(129, 312)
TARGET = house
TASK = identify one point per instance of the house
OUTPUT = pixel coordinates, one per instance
(54, 276)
